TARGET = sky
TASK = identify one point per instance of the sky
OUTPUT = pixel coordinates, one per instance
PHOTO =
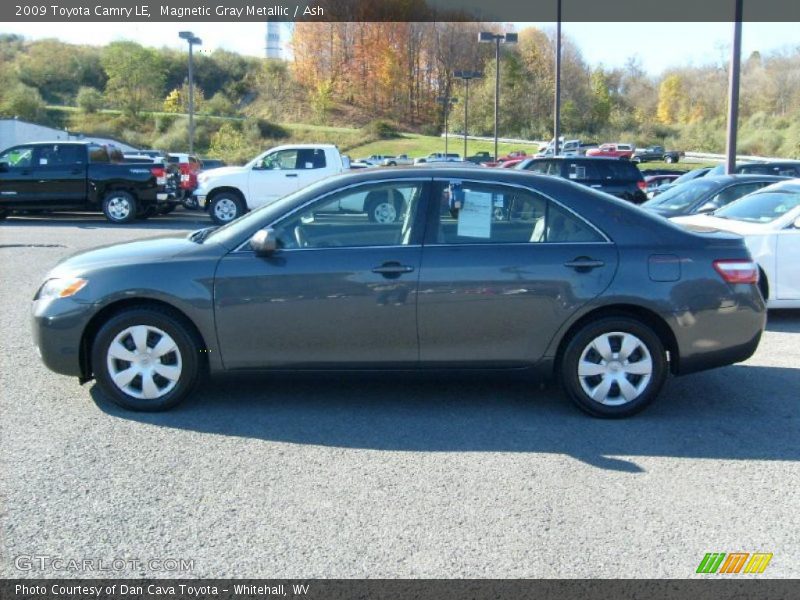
(658, 45)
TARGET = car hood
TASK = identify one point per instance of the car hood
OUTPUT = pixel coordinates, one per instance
(710, 222)
(150, 250)
(223, 172)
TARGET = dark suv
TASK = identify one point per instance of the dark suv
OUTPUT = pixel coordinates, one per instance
(620, 178)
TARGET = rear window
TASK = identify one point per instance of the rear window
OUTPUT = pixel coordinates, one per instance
(98, 154)
(621, 170)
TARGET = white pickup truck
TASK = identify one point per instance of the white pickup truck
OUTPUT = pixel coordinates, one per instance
(228, 192)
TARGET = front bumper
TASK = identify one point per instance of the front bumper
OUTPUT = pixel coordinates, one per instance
(202, 199)
(58, 325)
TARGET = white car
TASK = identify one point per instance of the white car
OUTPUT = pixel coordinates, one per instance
(769, 221)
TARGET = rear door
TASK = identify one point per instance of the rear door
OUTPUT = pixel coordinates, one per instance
(495, 286)
(59, 172)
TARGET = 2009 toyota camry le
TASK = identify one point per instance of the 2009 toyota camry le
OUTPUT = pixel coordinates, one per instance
(463, 269)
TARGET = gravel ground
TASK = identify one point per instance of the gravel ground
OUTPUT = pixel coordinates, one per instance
(386, 475)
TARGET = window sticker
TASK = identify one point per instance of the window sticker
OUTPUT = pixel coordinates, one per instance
(475, 216)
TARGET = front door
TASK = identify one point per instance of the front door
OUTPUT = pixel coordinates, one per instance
(502, 272)
(340, 290)
(16, 176)
(284, 171)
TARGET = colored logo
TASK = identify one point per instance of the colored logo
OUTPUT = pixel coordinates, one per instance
(734, 562)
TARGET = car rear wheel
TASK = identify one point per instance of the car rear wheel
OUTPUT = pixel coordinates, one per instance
(119, 207)
(225, 208)
(145, 359)
(613, 367)
(669, 159)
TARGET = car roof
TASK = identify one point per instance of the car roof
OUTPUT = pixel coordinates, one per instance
(785, 185)
(721, 179)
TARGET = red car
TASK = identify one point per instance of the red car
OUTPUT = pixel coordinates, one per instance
(516, 155)
(613, 151)
(189, 166)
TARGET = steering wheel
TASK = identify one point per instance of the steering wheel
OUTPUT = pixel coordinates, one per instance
(300, 237)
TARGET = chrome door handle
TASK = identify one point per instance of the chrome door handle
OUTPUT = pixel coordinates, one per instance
(584, 264)
(392, 269)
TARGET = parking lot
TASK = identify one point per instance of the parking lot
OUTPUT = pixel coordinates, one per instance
(390, 475)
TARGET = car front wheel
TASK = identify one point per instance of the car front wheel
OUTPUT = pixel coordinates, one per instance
(145, 359)
(225, 208)
(613, 367)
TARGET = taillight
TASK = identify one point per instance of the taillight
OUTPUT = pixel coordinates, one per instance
(642, 185)
(737, 271)
(158, 173)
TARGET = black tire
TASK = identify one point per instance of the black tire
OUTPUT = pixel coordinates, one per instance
(392, 164)
(119, 207)
(225, 207)
(616, 370)
(186, 359)
(636, 159)
(669, 159)
(378, 211)
(166, 209)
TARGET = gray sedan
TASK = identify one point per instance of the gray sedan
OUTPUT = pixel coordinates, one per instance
(481, 269)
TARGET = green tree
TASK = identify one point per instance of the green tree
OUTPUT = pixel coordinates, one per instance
(89, 99)
(24, 102)
(135, 76)
(601, 100)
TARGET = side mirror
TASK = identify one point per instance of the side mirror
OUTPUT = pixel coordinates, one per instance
(708, 207)
(264, 242)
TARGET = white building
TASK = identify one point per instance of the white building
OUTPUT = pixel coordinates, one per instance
(15, 131)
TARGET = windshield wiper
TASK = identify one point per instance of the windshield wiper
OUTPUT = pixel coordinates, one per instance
(200, 235)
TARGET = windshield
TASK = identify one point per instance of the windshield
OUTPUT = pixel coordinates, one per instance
(230, 232)
(679, 198)
(763, 207)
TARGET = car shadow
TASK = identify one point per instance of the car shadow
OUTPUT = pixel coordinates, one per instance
(737, 413)
(187, 220)
(784, 320)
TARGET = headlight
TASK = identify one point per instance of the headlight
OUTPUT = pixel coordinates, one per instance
(61, 287)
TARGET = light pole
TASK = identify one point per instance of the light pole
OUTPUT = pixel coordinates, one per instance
(733, 91)
(193, 40)
(446, 102)
(557, 107)
(508, 38)
(466, 76)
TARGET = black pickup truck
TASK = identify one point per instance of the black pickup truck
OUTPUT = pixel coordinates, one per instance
(79, 176)
(641, 155)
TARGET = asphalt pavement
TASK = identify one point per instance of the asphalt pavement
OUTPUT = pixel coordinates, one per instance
(383, 475)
